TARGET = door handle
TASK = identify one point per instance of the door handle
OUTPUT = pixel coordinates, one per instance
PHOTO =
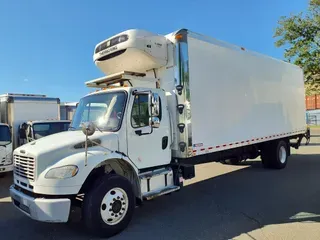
(138, 132)
(164, 142)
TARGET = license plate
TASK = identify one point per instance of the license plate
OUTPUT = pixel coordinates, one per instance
(21, 203)
(17, 198)
(24, 208)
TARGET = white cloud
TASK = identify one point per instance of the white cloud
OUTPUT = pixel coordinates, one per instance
(26, 80)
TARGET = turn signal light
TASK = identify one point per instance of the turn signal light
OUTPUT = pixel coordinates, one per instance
(178, 36)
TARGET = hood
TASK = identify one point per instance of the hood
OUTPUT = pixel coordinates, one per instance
(53, 148)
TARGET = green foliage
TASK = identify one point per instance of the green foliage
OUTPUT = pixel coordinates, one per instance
(300, 35)
(312, 88)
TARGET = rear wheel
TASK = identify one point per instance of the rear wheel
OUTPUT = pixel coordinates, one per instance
(275, 154)
(109, 206)
(235, 161)
(231, 161)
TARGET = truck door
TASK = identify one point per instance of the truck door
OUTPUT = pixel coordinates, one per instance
(147, 146)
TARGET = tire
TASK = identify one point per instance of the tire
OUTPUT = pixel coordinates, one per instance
(2, 175)
(275, 154)
(265, 155)
(234, 161)
(231, 161)
(112, 194)
(223, 162)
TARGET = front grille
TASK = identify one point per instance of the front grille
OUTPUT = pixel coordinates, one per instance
(110, 43)
(24, 166)
(25, 191)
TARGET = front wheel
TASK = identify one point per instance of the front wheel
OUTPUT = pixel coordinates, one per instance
(109, 206)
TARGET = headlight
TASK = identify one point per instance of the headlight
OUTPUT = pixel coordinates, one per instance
(62, 172)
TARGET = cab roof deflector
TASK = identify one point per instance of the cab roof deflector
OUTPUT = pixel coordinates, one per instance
(115, 78)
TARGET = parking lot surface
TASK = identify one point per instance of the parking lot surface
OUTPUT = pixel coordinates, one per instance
(222, 202)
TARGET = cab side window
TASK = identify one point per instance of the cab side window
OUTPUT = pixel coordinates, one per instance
(140, 114)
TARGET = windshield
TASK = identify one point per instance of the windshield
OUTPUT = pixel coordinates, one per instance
(5, 135)
(105, 110)
(44, 129)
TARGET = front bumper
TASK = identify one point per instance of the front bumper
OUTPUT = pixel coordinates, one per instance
(7, 168)
(41, 209)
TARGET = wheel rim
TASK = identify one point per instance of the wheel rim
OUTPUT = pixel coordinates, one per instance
(282, 154)
(114, 206)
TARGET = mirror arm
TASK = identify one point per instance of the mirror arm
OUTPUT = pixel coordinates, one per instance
(86, 149)
(150, 104)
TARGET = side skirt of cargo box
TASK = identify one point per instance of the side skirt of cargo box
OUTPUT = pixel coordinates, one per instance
(239, 153)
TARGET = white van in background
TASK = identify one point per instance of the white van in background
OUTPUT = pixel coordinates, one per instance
(5, 149)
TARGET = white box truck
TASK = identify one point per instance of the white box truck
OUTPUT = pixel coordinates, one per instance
(25, 115)
(166, 104)
(67, 110)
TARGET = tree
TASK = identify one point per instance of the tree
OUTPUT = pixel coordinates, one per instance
(300, 35)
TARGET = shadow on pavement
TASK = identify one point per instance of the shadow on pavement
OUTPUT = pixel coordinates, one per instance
(260, 196)
(5, 183)
(239, 202)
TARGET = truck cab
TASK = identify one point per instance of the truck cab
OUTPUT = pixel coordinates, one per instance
(5, 148)
(124, 117)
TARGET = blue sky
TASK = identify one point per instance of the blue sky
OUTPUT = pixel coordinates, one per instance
(46, 46)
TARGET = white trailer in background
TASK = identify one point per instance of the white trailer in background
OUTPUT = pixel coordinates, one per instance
(22, 113)
(67, 110)
(166, 104)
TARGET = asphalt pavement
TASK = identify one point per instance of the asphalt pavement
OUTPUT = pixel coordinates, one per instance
(222, 202)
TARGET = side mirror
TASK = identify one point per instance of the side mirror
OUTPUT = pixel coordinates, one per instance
(154, 105)
(88, 128)
(154, 122)
(24, 126)
(28, 134)
(22, 131)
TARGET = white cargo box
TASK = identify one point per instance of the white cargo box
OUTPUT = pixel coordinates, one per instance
(237, 97)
